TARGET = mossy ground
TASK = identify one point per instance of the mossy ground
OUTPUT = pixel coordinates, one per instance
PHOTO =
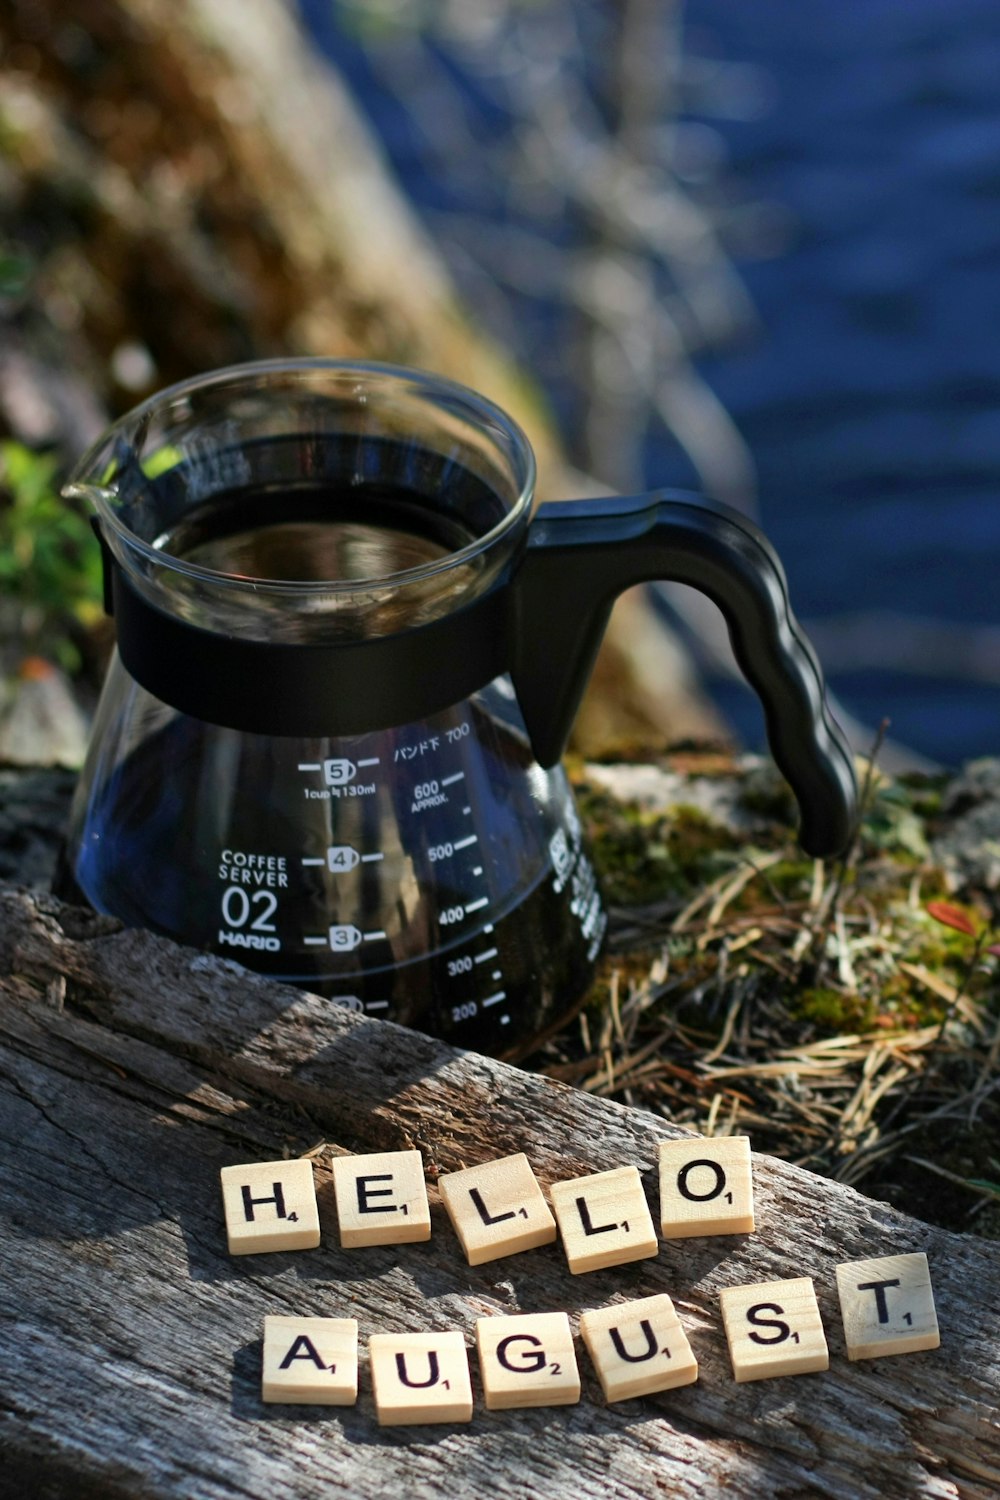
(823, 1009)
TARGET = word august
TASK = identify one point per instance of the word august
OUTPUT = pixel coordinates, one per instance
(498, 1209)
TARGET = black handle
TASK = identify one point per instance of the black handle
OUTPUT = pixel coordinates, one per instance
(582, 554)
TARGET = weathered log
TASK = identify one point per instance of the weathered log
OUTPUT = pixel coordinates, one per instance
(131, 1070)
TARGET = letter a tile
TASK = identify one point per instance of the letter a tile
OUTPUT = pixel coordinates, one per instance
(604, 1219)
(381, 1199)
(638, 1347)
(270, 1205)
(887, 1306)
(420, 1377)
(774, 1328)
(310, 1361)
(706, 1187)
(497, 1209)
(528, 1360)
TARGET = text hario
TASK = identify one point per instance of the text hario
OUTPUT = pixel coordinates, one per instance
(253, 869)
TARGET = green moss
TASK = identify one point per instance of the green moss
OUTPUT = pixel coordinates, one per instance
(641, 858)
(831, 1011)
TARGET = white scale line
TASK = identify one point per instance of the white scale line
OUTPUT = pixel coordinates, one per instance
(477, 905)
(465, 843)
(314, 861)
(366, 859)
(377, 1005)
(372, 937)
(316, 942)
(310, 766)
(373, 760)
(450, 780)
(495, 999)
(484, 957)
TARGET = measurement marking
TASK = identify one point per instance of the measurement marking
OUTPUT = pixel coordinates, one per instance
(505, 1020)
(372, 760)
(488, 927)
(314, 861)
(377, 1005)
(316, 942)
(477, 905)
(466, 811)
(497, 974)
(464, 843)
(366, 859)
(490, 953)
(495, 999)
(478, 870)
(372, 937)
(450, 780)
(310, 766)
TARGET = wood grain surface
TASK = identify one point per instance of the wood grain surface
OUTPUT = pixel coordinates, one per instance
(132, 1070)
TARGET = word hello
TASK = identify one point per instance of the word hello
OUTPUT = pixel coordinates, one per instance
(498, 1209)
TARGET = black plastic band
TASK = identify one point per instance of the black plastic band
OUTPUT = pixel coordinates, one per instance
(335, 688)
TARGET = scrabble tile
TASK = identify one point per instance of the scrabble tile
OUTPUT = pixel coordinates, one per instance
(887, 1306)
(528, 1360)
(311, 1361)
(774, 1328)
(497, 1209)
(381, 1199)
(604, 1219)
(706, 1187)
(420, 1377)
(638, 1347)
(270, 1205)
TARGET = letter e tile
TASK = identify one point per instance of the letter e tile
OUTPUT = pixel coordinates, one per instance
(887, 1306)
(706, 1187)
(604, 1220)
(497, 1209)
(420, 1377)
(270, 1205)
(381, 1199)
(310, 1361)
(638, 1347)
(774, 1328)
(528, 1360)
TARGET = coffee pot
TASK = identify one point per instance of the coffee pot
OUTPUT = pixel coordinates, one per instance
(349, 654)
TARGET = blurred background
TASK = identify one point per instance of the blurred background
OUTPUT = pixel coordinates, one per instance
(750, 249)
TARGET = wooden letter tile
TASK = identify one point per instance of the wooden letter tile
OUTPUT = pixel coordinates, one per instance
(311, 1360)
(604, 1219)
(638, 1347)
(887, 1306)
(270, 1205)
(420, 1377)
(706, 1187)
(528, 1360)
(774, 1328)
(497, 1209)
(381, 1199)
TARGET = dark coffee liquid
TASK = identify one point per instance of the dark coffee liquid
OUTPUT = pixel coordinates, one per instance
(429, 874)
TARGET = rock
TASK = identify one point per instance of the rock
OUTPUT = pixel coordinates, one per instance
(41, 723)
(969, 848)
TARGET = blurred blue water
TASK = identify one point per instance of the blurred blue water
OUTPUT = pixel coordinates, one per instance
(869, 396)
(871, 400)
